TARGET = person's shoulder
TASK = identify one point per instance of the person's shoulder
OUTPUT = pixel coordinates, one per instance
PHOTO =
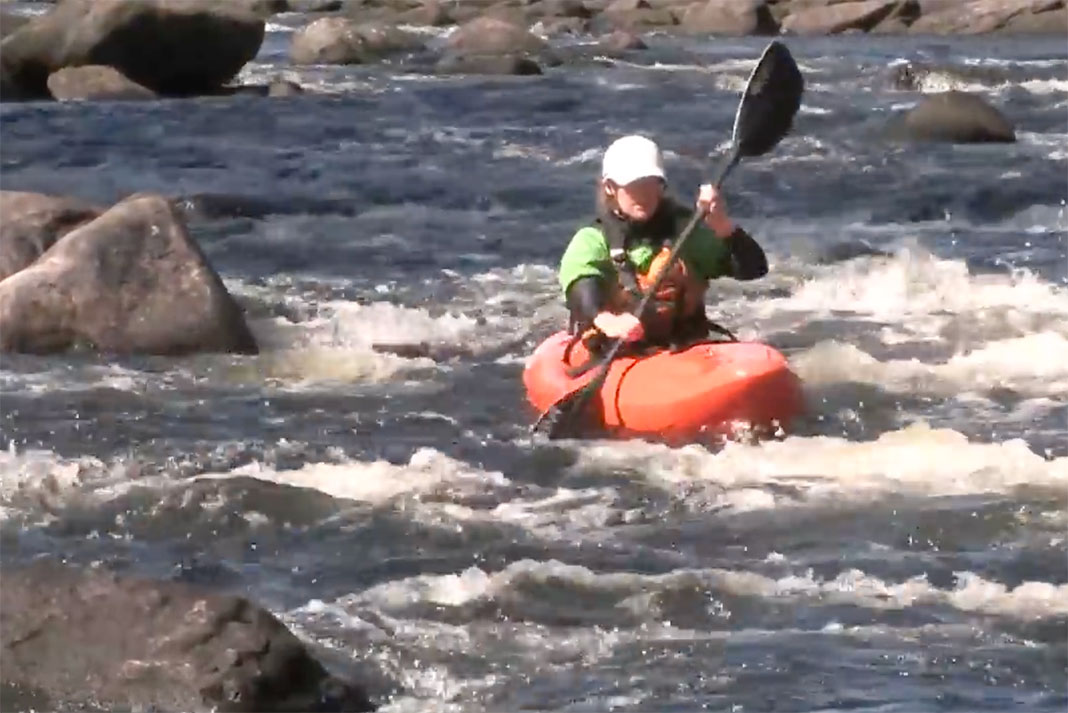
(590, 236)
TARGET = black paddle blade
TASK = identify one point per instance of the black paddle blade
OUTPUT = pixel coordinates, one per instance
(559, 419)
(771, 99)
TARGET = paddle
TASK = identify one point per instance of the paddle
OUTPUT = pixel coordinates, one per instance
(765, 114)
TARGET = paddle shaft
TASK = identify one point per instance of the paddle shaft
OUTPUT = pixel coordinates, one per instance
(728, 163)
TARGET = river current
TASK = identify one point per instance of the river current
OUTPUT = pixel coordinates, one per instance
(901, 549)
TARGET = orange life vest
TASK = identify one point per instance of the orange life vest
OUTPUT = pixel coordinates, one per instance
(681, 295)
(679, 298)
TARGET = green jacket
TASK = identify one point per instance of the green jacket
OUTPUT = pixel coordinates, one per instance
(706, 256)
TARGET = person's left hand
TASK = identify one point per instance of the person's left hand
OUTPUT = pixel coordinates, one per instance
(714, 206)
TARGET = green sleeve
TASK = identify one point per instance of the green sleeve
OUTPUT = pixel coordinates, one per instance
(586, 256)
(707, 254)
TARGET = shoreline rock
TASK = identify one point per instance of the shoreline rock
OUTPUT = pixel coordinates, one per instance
(228, 35)
(723, 18)
(87, 637)
(514, 31)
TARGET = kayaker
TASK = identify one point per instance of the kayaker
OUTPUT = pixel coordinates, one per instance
(610, 262)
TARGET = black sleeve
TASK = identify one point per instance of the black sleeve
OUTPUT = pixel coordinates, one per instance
(747, 258)
(585, 300)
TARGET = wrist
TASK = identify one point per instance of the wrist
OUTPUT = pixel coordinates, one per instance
(723, 228)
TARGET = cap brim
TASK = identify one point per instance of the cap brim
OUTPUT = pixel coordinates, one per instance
(632, 176)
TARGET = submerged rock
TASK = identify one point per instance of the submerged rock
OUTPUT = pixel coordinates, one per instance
(132, 280)
(954, 117)
(490, 64)
(72, 637)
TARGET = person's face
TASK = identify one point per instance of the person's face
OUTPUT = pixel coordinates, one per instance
(639, 199)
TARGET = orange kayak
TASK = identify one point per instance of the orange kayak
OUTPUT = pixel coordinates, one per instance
(706, 390)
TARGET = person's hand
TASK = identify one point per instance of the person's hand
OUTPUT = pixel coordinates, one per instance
(714, 206)
(619, 326)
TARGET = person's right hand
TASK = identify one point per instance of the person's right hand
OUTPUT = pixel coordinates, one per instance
(619, 326)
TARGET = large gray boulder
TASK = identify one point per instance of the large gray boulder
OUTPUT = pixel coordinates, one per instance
(173, 47)
(75, 637)
(132, 280)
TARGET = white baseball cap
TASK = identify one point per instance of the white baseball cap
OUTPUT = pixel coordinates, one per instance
(630, 158)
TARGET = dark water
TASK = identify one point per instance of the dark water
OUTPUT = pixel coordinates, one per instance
(902, 550)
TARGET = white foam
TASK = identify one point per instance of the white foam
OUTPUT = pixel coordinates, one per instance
(615, 84)
(428, 472)
(43, 482)
(339, 344)
(938, 82)
(972, 593)
(730, 83)
(1045, 86)
(560, 514)
(28, 11)
(942, 81)
(800, 471)
(42, 472)
(997, 62)
(509, 149)
(409, 651)
(65, 378)
(378, 322)
(1053, 144)
(301, 355)
(1036, 364)
(322, 79)
(429, 30)
(590, 155)
(913, 283)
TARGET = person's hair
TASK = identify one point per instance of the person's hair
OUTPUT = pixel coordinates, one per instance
(606, 205)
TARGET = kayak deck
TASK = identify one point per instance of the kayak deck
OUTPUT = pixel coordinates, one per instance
(709, 388)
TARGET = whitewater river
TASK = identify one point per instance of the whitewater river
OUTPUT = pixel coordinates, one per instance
(902, 549)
